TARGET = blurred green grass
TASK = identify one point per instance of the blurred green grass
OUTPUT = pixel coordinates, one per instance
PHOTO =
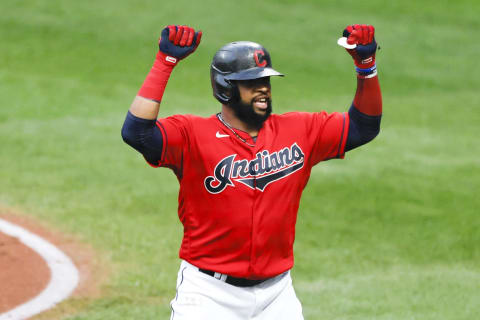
(392, 232)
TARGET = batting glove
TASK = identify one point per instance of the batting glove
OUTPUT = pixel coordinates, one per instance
(361, 45)
(177, 42)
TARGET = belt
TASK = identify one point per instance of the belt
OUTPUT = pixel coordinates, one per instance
(237, 282)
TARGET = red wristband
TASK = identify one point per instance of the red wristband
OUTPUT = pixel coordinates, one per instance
(154, 85)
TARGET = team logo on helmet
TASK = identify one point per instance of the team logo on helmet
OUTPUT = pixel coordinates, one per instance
(257, 173)
(260, 60)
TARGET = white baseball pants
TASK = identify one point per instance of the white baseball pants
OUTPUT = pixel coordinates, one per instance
(202, 297)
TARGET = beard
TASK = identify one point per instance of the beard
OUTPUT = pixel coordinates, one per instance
(246, 113)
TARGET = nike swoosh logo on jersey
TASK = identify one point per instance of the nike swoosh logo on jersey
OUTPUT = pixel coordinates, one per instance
(219, 135)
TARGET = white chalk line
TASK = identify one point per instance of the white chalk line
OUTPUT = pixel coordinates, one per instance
(64, 275)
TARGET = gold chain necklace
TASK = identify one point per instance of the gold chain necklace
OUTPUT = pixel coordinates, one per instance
(219, 116)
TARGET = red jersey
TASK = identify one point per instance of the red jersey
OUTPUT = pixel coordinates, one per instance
(238, 200)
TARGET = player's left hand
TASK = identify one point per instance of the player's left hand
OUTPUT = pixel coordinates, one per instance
(178, 42)
(361, 44)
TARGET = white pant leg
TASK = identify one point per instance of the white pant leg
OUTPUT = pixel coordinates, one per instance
(277, 300)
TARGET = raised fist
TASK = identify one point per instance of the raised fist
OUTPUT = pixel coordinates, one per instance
(177, 42)
(359, 41)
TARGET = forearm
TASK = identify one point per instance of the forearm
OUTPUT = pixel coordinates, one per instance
(368, 97)
(147, 102)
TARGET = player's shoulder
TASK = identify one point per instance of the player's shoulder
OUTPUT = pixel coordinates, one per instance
(188, 118)
(189, 121)
(292, 116)
(301, 115)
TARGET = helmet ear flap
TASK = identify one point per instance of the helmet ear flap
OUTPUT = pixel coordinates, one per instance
(225, 91)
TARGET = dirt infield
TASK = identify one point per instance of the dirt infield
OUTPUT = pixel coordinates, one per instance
(24, 274)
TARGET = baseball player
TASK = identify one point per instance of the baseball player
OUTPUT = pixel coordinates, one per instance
(242, 171)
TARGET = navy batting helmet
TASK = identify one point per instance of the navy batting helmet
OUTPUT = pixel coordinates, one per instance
(241, 60)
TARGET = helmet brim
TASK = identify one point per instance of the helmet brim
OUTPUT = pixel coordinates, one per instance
(253, 73)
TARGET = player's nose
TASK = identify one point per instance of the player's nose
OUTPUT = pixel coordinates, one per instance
(263, 87)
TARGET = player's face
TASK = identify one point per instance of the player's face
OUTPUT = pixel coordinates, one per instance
(255, 103)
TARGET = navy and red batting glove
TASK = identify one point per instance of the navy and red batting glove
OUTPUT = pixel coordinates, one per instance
(176, 43)
(363, 36)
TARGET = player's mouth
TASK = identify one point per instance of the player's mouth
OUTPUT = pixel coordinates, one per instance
(261, 102)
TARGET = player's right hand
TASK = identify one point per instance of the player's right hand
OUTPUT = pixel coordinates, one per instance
(363, 36)
(177, 42)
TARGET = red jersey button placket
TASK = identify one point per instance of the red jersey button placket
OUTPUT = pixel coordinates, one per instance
(254, 213)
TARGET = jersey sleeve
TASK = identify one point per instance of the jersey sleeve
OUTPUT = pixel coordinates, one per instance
(327, 134)
(174, 132)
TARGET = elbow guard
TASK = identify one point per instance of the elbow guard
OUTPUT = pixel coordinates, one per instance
(143, 136)
(363, 128)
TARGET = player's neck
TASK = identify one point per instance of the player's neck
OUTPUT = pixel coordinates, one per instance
(228, 115)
